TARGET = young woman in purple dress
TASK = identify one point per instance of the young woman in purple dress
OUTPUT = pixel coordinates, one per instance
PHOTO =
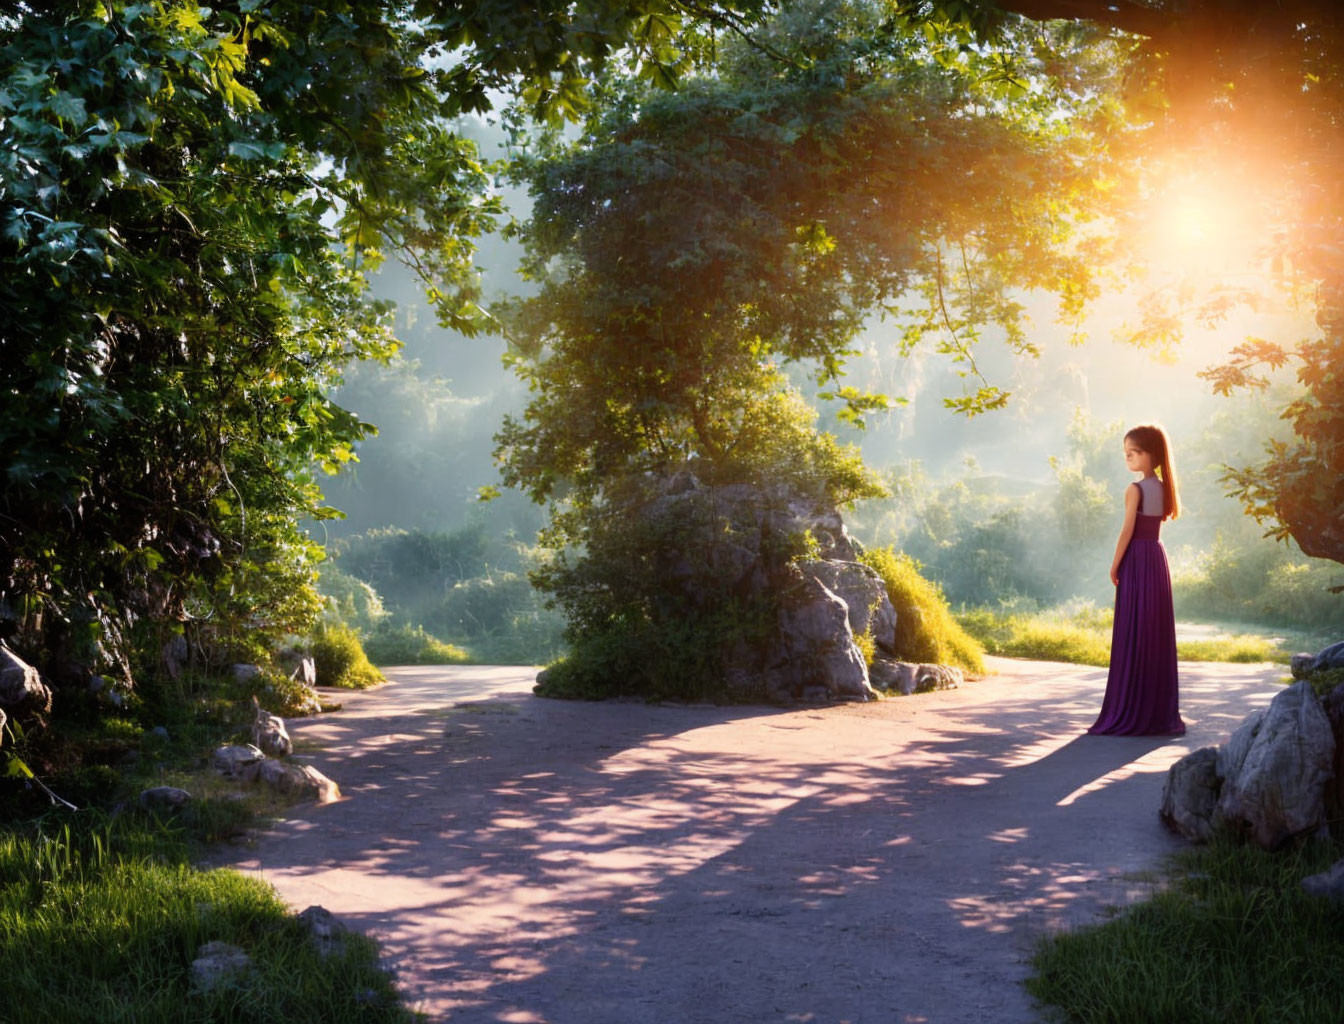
(1141, 694)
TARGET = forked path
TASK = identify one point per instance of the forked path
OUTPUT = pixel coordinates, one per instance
(531, 860)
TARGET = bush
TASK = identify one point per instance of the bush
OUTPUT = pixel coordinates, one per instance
(411, 645)
(925, 628)
(341, 660)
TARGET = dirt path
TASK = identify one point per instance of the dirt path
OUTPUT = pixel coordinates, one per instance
(527, 860)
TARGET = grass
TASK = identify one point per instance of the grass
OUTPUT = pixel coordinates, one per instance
(1231, 938)
(100, 918)
(101, 910)
(925, 629)
(1081, 635)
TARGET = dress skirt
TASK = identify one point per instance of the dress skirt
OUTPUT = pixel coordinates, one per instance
(1141, 691)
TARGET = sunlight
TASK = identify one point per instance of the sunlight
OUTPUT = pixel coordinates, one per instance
(1154, 761)
(1202, 223)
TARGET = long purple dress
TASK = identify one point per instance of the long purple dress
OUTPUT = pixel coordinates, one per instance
(1141, 693)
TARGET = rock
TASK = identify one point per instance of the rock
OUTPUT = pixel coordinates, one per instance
(3, 720)
(1331, 657)
(269, 732)
(21, 688)
(328, 933)
(1329, 884)
(304, 782)
(816, 647)
(1277, 792)
(234, 761)
(173, 656)
(1232, 754)
(937, 677)
(217, 963)
(864, 594)
(165, 798)
(1301, 665)
(306, 672)
(897, 676)
(1190, 796)
(246, 673)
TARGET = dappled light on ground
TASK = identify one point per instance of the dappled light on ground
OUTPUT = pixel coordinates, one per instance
(526, 859)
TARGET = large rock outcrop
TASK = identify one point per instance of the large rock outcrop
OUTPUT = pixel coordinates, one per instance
(745, 539)
(1270, 781)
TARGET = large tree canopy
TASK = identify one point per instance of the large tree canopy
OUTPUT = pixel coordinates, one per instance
(693, 248)
(190, 198)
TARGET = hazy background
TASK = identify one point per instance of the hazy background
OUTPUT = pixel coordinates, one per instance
(1018, 507)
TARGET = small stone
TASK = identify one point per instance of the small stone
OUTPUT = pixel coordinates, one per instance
(165, 798)
(1190, 796)
(21, 688)
(328, 933)
(1300, 665)
(269, 732)
(235, 760)
(304, 782)
(246, 673)
(216, 963)
(1329, 884)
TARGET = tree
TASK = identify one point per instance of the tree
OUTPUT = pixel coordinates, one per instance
(190, 198)
(1257, 87)
(691, 246)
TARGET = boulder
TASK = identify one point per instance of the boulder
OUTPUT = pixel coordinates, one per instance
(235, 761)
(243, 673)
(1329, 884)
(1330, 657)
(1300, 665)
(304, 782)
(864, 594)
(1190, 796)
(327, 932)
(1276, 793)
(269, 732)
(893, 676)
(164, 798)
(815, 647)
(937, 677)
(21, 688)
(1232, 754)
(217, 963)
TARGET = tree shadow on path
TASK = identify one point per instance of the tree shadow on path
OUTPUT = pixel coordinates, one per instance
(534, 860)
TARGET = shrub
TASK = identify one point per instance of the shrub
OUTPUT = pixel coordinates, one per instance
(411, 645)
(341, 660)
(925, 628)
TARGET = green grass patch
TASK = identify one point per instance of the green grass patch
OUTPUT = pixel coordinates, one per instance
(925, 629)
(1231, 938)
(100, 919)
(411, 645)
(1081, 635)
(340, 659)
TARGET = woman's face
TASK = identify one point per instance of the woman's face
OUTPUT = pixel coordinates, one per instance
(1137, 460)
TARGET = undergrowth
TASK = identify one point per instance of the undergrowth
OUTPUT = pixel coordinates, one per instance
(1082, 636)
(1232, 938)
(101, 917)
(925, 628)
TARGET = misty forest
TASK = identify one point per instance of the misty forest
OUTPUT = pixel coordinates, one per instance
(337, 337)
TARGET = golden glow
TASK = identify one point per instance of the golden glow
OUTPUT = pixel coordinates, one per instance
(1202, 223)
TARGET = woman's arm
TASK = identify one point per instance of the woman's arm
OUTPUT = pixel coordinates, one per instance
(1127, 531)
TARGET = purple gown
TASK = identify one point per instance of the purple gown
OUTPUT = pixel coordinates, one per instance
(1141, 696)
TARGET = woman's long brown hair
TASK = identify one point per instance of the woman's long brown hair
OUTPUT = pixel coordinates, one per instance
(1152, 439)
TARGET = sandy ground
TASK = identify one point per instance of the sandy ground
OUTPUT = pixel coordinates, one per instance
(529, 860)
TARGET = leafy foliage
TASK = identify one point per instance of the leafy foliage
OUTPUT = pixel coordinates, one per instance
(340, 659)
(925, 629)
(410, 645)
